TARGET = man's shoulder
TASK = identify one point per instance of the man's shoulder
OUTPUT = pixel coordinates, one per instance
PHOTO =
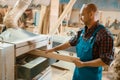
(80, 30)
(101, 25)
(104, 31)
(102, 28)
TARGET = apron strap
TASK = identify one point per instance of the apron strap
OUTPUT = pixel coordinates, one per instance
(95, 32)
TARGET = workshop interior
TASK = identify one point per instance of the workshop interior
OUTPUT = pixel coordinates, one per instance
(28, 28)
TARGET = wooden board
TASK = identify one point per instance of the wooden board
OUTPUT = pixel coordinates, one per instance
(54, 13)
(62, 16)
(42, 16)
(45, 27)
(53, 55)
(42, 2)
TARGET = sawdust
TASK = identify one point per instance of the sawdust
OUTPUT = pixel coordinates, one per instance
(12, 35)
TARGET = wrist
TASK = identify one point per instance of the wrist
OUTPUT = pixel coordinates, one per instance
(83, 64)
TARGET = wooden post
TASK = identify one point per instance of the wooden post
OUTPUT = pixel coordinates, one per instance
(42, 15)
(54, 13)
(45, 27)
(66, 11)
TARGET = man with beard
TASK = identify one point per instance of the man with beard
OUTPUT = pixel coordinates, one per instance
(94, 46)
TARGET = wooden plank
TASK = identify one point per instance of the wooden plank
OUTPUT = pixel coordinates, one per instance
(54, 13)
(42, 15)
(42, 2)
(65, 12)
(46, 22)
(53, 55)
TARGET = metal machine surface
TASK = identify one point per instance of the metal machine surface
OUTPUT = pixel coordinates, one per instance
(30, 66)
(15, 43)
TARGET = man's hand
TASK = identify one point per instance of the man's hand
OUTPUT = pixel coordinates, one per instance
(78, 63)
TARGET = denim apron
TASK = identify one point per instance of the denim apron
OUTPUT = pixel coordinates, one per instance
(84, 49)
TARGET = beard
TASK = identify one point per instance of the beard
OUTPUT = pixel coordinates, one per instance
(86, 21)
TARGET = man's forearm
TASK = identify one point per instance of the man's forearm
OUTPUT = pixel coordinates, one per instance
(94, 63)
(62, 46)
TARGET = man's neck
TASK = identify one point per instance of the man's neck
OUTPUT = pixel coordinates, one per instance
(91, 24)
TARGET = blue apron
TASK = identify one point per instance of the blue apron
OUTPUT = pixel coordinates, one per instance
(84, 49)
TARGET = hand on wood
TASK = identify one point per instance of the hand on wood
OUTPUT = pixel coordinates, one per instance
(78, 63)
